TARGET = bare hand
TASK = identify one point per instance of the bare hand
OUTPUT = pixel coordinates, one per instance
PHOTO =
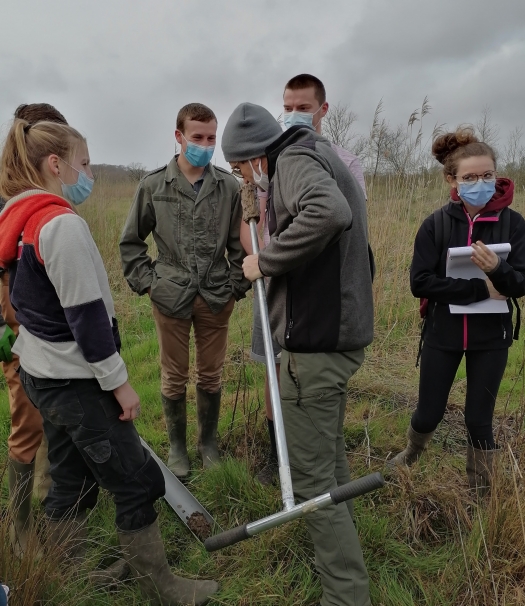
(493, 293)
(486, 259)
(250, 267)
(129, 402)
(149, 292)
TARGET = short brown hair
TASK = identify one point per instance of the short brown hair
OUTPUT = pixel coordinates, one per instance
(450, 148)
(194, 111)
(308, 81)
(25, 148)
(38, 112)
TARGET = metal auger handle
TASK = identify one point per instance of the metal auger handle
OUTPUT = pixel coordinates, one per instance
(353, 489)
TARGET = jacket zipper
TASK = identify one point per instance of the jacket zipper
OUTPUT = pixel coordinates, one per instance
(469, 243)
(289, 328)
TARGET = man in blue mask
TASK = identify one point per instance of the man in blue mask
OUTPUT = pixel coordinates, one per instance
(304, 104)
(193, 210)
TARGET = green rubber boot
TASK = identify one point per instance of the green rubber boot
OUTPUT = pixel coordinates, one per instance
(417, 443)
(208, 406)
(21, 479)
(480, 466)
(144, 552)
(175, 415)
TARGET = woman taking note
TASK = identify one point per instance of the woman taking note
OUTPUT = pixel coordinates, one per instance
(477, 215)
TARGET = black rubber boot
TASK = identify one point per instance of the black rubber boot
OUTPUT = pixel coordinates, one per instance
(208, 406)
(417, 443)
(270, 472)
(21, 479)
(175, 415)
(144, 552)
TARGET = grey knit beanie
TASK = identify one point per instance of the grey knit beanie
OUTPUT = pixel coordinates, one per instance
(248, 132)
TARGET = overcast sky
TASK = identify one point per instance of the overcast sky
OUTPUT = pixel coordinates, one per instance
(119, 70)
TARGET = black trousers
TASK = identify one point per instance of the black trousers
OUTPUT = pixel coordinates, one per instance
(485, 370)
(89, 446)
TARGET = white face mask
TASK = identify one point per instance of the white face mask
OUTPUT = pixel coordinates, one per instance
(261, 180)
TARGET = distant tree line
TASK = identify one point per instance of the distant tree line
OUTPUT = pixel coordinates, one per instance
(113, 172)
(404, 149)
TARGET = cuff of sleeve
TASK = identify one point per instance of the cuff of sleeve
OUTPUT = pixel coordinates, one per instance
(482, 290)
(262, 265)
(110, 373)
(239, 289)
(495, 270)
(144, 289)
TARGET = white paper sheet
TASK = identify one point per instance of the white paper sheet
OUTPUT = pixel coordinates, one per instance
(460, 265)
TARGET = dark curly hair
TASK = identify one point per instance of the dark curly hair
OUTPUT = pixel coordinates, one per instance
(450, 148)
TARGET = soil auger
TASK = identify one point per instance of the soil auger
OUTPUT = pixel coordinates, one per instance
(291, 511)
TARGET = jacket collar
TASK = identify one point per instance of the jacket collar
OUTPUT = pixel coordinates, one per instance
(173, 172)
(292, 136)
(179, 182)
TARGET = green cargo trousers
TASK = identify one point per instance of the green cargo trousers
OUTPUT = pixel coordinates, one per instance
(313, 395)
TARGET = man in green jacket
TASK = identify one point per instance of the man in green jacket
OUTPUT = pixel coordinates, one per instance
(193, 210)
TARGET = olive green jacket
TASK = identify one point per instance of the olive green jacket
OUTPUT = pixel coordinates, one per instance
(193, 234)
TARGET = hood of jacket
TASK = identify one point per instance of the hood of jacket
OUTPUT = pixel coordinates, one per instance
(27, 209)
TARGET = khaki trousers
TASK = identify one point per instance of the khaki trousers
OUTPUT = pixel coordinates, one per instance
(26, 422)
(313, 395)
(211, 339)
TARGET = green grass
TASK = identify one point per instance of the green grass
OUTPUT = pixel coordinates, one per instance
(425, 541)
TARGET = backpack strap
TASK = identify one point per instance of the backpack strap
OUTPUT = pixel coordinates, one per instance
(442, 231)
(504, 225)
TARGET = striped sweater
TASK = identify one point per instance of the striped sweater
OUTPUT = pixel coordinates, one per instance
(60, 291)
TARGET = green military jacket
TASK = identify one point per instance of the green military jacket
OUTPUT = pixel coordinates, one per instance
(197, 238)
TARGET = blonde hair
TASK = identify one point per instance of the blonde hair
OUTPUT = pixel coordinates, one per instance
(26, 147)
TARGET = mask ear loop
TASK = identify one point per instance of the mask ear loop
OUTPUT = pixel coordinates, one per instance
(257, 181)
(319, 121)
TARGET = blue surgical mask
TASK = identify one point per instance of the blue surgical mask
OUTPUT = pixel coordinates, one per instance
(300, 119)
(79, 191)
(198, 155)
(477, 194)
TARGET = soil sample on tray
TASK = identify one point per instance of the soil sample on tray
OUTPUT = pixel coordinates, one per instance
(199, 525)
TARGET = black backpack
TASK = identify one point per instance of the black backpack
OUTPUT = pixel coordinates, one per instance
(442, 231)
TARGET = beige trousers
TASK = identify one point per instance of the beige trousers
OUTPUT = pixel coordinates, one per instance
(211, 339)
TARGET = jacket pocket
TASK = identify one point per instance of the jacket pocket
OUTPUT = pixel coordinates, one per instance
(57, 401)
(168, 210)
(169, 285)
(313, 304)
(102, 455)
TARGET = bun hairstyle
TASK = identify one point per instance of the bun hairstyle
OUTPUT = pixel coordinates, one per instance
(450, 148)
(26, 147)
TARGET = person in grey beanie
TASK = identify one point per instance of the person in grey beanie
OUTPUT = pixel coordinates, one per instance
(321, 314)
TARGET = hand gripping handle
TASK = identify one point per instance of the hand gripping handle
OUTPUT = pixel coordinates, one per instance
(358, 487)
(227, 538)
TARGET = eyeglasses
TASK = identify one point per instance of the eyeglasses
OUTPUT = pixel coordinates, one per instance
(236, 171)
(487, 177)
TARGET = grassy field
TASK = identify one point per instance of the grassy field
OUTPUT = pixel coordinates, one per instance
(425, 540)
